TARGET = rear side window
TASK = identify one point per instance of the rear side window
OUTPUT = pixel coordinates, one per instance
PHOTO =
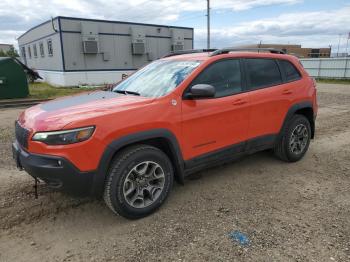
(291, 73)
(262, 73)
(224, 75)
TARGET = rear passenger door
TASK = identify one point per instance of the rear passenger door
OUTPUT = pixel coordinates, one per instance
(270, 99)
(214, 123)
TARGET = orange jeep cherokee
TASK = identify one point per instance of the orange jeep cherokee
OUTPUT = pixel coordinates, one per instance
(175, 116)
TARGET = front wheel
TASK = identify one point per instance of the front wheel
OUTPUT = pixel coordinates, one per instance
(139, 181)
(294, 140)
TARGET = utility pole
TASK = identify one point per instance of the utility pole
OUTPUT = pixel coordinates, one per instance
(347, 43)
(338, 45)
(208, 24)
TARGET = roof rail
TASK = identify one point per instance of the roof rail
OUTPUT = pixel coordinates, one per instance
(190, 51)
(228, 50)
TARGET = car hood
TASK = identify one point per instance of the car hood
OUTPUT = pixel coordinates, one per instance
(56, 114)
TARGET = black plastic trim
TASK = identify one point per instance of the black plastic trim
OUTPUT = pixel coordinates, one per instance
(292, 110)
(57, 172)
(116, 145)
(228, 50)
(229, 153)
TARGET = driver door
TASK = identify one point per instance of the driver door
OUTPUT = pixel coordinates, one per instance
(210, 124)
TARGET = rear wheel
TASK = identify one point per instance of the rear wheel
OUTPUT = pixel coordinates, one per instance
(139, 181)
(294, 140)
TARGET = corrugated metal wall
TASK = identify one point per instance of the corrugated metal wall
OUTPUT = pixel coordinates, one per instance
(327, 67)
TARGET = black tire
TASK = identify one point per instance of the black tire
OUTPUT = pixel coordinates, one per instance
(283, 149)
(120, 170)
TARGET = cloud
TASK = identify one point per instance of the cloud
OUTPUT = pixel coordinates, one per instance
(312, 29)
(29, 13)
(307, 28)
(9, 36)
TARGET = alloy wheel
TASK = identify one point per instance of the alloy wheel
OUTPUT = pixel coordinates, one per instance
(144, 184)
(299, 139)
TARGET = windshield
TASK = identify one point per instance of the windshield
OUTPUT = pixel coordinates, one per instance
(157, 78)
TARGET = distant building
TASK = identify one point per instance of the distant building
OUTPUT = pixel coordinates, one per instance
(70, 51)
(297, 50)
(5, 47)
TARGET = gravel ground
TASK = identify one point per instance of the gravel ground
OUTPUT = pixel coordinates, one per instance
(289, 212)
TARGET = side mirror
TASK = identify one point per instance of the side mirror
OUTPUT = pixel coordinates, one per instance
(200, 91)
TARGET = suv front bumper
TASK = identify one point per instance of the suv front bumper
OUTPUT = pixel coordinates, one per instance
(57, 172)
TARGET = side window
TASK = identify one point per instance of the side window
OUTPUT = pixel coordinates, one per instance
(35, 51)
(291, 73)
(29, 52)
(224, 75)
(262, 73)
(23, 52)
(49, 47)
(41, 48)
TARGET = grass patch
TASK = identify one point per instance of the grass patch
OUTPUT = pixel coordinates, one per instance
(333, 81)
(46, 91)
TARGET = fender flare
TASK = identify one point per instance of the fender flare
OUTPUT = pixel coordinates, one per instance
(291, 111)
(116, 145)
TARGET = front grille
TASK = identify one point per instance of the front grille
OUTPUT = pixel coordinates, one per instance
(22, 135)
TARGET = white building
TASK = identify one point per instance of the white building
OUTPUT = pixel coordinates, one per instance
(68, 51)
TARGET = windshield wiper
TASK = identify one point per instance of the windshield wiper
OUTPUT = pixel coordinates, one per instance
(126, 92)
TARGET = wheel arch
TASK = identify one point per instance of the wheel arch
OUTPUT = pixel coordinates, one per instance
(161, 138)
(303, 108)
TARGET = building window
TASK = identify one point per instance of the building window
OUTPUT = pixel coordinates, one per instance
(29, 52)
(41, 48)
(23, 51)
(49, 47)
(35, 51)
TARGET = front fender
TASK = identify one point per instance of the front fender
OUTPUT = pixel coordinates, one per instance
(116, 145)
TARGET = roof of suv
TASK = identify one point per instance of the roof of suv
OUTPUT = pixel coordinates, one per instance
(202, 56)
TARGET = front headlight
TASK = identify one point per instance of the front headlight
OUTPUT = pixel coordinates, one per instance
(64, 137)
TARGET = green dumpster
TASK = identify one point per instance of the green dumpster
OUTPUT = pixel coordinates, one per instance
(13, 80)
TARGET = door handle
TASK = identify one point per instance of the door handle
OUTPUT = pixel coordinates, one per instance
(239, 102)
(287, 92)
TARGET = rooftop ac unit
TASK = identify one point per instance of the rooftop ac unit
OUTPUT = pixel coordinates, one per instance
(138, 41)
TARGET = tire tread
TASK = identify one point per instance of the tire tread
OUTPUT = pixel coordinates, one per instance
(280, 149)
(116, 163)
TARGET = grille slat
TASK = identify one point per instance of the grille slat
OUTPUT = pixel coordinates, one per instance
(22, 135)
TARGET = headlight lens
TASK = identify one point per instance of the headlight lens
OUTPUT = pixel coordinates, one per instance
(64, 137)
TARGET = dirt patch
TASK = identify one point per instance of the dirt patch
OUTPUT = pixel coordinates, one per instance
(289, 212)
